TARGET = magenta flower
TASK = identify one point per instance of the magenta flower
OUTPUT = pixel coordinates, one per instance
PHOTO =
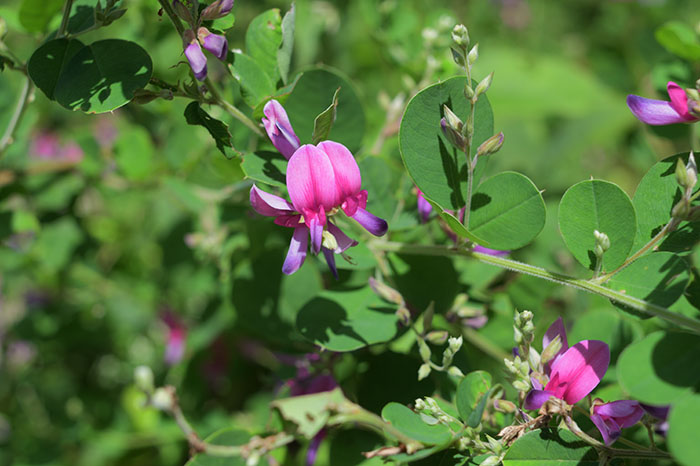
(611, 417)
(214, 43)
(424, 207)
(321, 180)
(574, 372)
(279, 129)
(175, 342)
(661, 112)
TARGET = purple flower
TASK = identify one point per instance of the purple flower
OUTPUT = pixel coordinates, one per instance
(611, 417)
(424, 207)
(661, 112)
(660, 413)
(175, 342)
(574, 371)
(279, 129)
(218, 9)
(214, 43)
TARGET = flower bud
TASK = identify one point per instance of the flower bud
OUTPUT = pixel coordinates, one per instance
(455, 372)
(162, 399)
(468, 92)
(455, 343)
(504, 406)
(681, 174)
(460, 36)
(491, 145)
(458, 57)
(551, 350)
(473, 55)
(602, 243)
(218, 9)
(452, 120)
(428, 317)
(385, 292)
(484, 85)
(681, 210)
(510, 366)
(423, 371)
(454, 137)
(521, 385)
(424, 350)
(143, 378)
(533, 359)
(183, 12)
(404, 315)
(692, 171)
(491, 461)
(419, 404)
(437, 337)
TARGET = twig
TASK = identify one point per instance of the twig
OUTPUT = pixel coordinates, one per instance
(64, 20)
(24, 97)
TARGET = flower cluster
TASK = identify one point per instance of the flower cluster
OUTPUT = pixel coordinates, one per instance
(322, 181)
(571, 373)
(194, 41)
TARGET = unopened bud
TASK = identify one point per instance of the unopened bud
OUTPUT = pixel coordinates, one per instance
(602, 242)
(484, 85)
(491, 145)
(453, 136)
(458, 57)
(386, 292)
(253, 459)
(491, 461)
(419, 404)
(510, 366)
(460, 36)
(423, 371)
(692, 171)
(521, 385)
(143, 378)
(437, 337)
(681, 210)
(452, 120)
(681, 174)
(455, 343)
(533, 358)
(551, 350)
(468, 92)
(183, 12)
(424, 350)
(218, 9)
(455, 372)
(404, 315)
(162, 399)
(504, 406)
(473, 55)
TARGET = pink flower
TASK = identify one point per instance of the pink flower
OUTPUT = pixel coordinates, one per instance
(611, 417)
(661, 112)
(279, 129)
(574, 371)
(175, 341)
(424, 207)
(47, 146)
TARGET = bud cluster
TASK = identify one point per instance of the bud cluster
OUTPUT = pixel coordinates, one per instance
(436, 337)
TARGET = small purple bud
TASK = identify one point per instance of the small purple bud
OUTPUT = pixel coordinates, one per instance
(216, 44)
(218, 9)
(197, 60)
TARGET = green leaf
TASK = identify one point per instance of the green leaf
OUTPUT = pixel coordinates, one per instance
(34, 15)
(679, 39)
(217, 129)
(661, 368)
(47, 63)
(323, 123)
(437, 168)
(266, 167)
(103, 76)
(472, 393)
(507, 211)
(309, 412)
(346, 321)
(228, 436)
(654, 199)
(411, 425)
(262, 40)
(134, 154)
(659, 278)
(24, 220)
(550, 447)
(597, 205)
(284, 54)
(311, 94)
(606, 325)
(683, 430)
(256, 86)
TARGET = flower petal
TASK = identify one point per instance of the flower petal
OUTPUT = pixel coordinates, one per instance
(297, 250)
(198, 62)
(371, 223)
(659, 412)
(557, 328)
(330, 260)
(268, 204)
(279, 129)
(536, 398)
(310, 180)
(608, 428)
(316, 230)
(216, 44)
(343, 240)
(654, 112)
(625, 412)
(490, 252)
(679, 100)
(347, 173)
(424, 207)
(579, 370)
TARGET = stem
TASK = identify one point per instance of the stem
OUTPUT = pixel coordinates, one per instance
(585, 285)
(470, 182)
(64, 20)
(668, 228)
(165, 4)
(24, 97)
(233, 111)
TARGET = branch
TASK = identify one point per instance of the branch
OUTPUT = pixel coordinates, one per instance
(24, 98)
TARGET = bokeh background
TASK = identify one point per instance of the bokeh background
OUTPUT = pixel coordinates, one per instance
(126, 238)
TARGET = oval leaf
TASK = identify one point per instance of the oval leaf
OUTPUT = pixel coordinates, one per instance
(659, 278)
(507, 211)
(263, 38)
(48, 61)
(472, 393)
(597, 205)
(266, 167)
(103, 76)
(683, 430)
(346, 321)
(550, 447)
(437, 168)
(310, 97)
(660, 368)
(411, 424)
(255, 83)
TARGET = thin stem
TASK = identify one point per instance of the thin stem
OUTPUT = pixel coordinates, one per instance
(233, 111)
(64, 20)
(470, 183)
(668, 228)
(22, 102)
(165, 4)
(585, 285)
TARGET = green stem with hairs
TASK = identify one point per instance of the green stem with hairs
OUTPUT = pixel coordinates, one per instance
(585, 285)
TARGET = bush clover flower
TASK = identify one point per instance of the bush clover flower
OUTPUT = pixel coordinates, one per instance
(661, 112)
(611, 417)
(574, 371)
(279, 129)
(321, 180)
(193, 42)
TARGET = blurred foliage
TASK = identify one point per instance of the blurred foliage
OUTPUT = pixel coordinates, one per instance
(135, 220)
